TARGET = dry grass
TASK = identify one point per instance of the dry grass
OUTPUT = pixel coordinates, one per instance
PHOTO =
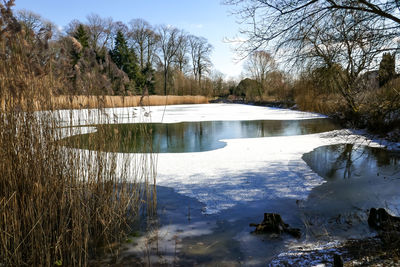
(78, 102)
(377, 108)
(310, 97)
(58, 206)
(322, 103)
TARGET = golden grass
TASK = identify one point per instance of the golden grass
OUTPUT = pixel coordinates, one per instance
(80, 101)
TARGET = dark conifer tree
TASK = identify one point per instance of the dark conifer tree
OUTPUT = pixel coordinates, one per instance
(149, 80)
(387, 68)
(82, 36)
(125, 58)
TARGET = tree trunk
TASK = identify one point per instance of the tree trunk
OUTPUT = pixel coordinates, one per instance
(165, 81)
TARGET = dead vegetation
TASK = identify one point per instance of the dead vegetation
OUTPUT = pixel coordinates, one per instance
(78, 102)
(58, 206)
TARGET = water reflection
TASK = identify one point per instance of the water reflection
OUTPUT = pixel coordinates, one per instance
(345, 161)
(358, 178)
(191, 136)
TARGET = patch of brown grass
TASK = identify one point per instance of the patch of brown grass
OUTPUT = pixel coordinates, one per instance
(321, 103)
(79, 101)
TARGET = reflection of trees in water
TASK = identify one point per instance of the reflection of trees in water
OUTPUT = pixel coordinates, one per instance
(385, 158)
(199, 133)
(190, 136)
(350, 160)
(174, 134)
(347, 157)
(262, 130)
(344, 157)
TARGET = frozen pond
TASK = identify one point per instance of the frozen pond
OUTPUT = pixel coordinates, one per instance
(207, 199)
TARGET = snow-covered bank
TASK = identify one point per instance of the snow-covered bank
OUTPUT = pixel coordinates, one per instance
(179, 113)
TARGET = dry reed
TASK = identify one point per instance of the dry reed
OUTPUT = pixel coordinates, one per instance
(81, 101)
(58, 206)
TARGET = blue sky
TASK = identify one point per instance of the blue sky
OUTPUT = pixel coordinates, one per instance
(206, 18)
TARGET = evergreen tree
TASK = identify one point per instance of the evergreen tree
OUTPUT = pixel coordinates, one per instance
(82, 36)
(149, 80)
(387, 68)
(125, 59)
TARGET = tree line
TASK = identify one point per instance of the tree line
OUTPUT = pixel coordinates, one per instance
(335, 57)
(103, 56)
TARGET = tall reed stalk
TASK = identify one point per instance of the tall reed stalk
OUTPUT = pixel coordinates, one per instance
(91, 101)
(58, 206)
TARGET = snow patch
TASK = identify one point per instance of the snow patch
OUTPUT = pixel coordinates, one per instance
(179, 113)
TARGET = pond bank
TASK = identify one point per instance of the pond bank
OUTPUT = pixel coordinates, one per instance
(363, 121)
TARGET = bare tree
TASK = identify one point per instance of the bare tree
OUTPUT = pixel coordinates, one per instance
(217, 78)
(346, 45)
(345, 37)
(100, 31)
(34, 24)
(200, 51)
(171, 39)
(30, 20)
(72, 26)
(153, 40)
(277, 20)
(181, 58)
(140, 31)
(144, 39)
(259, 65)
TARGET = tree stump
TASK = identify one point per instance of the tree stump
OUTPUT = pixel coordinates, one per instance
(273, 223)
